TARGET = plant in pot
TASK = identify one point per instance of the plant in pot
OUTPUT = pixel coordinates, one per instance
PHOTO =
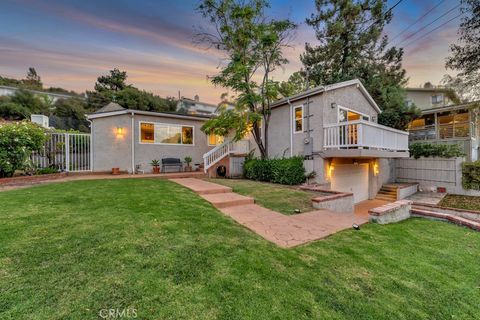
(188, 160)
(156, 165)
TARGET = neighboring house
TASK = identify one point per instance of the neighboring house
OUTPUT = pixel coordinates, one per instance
(333, 127)
(127, 138)
(195, 107)
(444, 121)
(430, 97)
(10, 91)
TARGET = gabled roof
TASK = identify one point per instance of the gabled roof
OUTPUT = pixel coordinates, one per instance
(327, 88)
(112, 106)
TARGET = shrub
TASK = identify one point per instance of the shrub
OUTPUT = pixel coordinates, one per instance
(418, 150)
(17, 141)
(284, 171)
(471, 175)
(47, 170)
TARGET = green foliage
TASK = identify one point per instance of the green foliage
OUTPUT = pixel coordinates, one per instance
(155, 163)
(4, 81)
(30, 101)
(296, 83)
(32, 81)
(419, 149)
(471, 175)
(465, 56)
(115, 81)
(284, 171)
(232, 120)
(70, 114)
(351, 46)
(252, 44)
(113, 87)
(188, 160)
(17, 141)
(47, 170)
(399, 118)
(13, 111)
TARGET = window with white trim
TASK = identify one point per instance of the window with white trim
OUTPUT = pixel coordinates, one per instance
(298, 119)
(347, 115)
(437, 98)
(163, 133)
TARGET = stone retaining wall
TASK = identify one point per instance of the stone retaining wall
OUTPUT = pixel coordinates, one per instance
(390, 213)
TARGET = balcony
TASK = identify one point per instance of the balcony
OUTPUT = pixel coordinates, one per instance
(364, 139)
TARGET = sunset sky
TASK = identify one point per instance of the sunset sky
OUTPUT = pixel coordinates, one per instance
(71, 43)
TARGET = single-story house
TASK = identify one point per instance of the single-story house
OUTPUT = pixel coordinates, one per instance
(130, 139)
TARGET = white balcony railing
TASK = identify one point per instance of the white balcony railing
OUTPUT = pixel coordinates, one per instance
(364, 134)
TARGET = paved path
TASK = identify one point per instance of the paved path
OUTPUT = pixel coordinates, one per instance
(285, 231)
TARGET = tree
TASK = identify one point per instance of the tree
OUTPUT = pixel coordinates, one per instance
(35, 104)
(252, 44)
(70, 114)
(465, 55)
(465, 91)
(113, 87)
(17, 142)
(296, 83)
(33, 80)
(115, 81)
(351, 46)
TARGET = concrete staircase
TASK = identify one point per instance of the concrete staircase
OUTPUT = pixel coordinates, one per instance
(387, 193)
(219, 196)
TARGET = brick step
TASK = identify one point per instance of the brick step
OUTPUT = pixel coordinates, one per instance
(472, 224)
(393, 193)
(224, 200)
(385, 197)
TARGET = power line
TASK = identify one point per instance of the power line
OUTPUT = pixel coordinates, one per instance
(427, 25)
(426, 34)
(416, 21)
(383, 16)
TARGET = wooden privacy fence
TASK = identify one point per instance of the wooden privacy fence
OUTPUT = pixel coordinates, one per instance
(70, 152)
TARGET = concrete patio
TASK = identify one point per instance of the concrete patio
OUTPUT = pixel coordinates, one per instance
(283, 230)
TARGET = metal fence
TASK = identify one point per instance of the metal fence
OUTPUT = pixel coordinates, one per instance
(69, 152)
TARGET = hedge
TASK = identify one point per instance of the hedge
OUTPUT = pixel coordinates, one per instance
(418, 150)
(471, 175)
(284, 171)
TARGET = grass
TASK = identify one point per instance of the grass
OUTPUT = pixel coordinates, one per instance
(71, 249)
(280, 198)
(461, 202)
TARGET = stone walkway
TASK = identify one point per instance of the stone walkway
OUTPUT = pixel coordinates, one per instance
(285, 231)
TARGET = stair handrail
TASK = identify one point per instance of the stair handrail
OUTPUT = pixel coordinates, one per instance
(216, 154)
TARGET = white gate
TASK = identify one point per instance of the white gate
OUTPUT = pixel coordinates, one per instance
(69, 152)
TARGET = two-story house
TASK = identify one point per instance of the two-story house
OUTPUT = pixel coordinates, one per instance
(443, 120)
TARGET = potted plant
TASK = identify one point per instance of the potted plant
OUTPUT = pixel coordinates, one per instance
(188, 160)
(156, 165)
(115, 171)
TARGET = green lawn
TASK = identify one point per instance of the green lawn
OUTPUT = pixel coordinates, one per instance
(280, 198)
(460, 202)
(68, 250)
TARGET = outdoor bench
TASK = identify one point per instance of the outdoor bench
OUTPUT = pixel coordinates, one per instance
(171, 163)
